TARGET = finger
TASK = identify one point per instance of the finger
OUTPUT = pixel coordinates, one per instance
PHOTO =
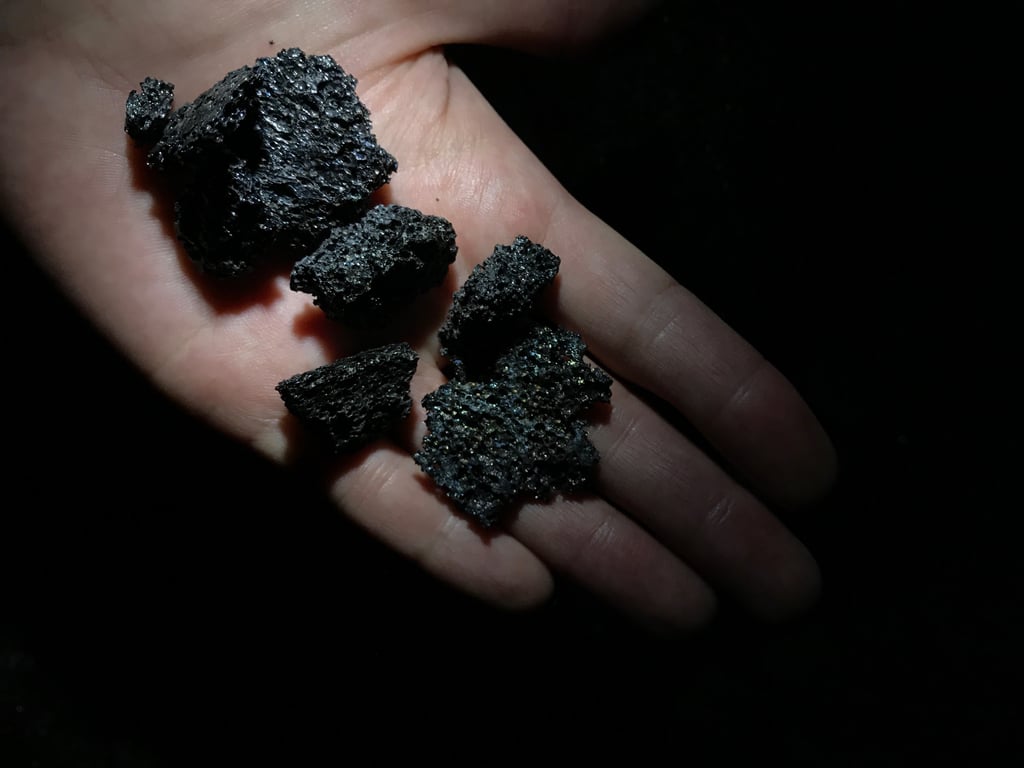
(380, 488)
(641, 323)
(384, 491)
(593, 543)
(674, 490)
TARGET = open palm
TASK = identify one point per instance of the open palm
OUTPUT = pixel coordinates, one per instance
(667, 526)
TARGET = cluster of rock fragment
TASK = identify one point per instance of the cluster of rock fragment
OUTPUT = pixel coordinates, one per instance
(280, 160)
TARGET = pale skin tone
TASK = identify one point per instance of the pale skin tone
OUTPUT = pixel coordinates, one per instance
(667, 531)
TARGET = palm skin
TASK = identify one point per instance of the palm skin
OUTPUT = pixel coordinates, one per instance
(666, 529)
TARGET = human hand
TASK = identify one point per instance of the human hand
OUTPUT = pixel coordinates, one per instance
(667, 526)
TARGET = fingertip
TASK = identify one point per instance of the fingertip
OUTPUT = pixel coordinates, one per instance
(777, 442)
(494, 567)
(793, 588)
(701, 611)
(525, 587)
(686, 614)
(819, 471)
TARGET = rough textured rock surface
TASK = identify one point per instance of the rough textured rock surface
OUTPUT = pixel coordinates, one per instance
(268, 160)
(355, 399)
(148, 110)
(548, 370)
(494, 305)
(518, 434)
(365, 272)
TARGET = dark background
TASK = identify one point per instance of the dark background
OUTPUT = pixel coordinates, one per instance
(827, 179)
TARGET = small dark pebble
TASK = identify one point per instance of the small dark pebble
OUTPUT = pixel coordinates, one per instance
(548, 369)
(495, 303)
(356, 399)
(368, 271)
(148, 110)
(516, 434)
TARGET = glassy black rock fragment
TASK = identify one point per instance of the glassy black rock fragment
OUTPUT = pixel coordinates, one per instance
(356, 399)
(494, 305)
(517, 434)
(147, 110)
(363, 272)
(548, 370)
(268, 160)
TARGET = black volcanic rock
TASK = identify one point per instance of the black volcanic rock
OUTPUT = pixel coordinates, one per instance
(266, 161)
(367, 271)
(516, 434)
(355, 399)
(548, 371)
(148, 110)
(495, 303)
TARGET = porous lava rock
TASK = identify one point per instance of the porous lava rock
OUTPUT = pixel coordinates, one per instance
(367, 271)
(148, 110)
(355, 399)
(495, 303)
(517, 433)
(265, 162)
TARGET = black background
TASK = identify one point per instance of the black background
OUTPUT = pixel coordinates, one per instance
(827, 179)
